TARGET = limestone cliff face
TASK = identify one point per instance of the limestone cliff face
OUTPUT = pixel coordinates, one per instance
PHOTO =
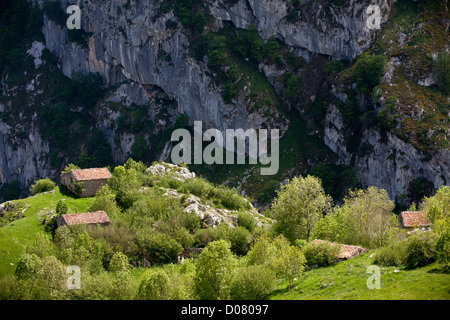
(320, 27)
(389, 162)
(145, 52)
(141, 45)
(23, 158)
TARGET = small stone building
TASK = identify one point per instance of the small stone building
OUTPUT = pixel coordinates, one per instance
(86, 218)
(89, 179)
(414, 219)
(346, 251)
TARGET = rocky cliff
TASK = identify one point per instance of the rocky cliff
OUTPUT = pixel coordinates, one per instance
(143, 53)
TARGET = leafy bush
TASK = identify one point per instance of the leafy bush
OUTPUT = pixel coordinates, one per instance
(322, 253)
(289, 263)
(253, 283)
(292, 87)
(61, 207)
(157, 207)
(247, 221)
(230, 199)
(199, 187)
(368, 72)
(393, 255)
(214, 271)
(421, 250)
(119, 262)
(443, 248)
(105, 200)
(299, 205)
(28, 266)
(42, 185)
(239, 238)
(159, 247)
(155, 285)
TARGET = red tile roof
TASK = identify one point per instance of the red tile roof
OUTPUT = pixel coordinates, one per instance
(91, 174)
(347, 251)
(413, 219)
(97, 217)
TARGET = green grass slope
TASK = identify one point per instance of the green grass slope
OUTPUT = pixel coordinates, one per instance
(15, 236)
(347, 280)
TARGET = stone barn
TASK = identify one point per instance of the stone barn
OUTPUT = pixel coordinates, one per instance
(413, 219)
(346, 251)
(86, 218)
(85, 182)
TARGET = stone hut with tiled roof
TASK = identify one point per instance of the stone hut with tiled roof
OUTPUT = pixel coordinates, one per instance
(86, 218)
(85, 182)
(347, 251)
(414, 219)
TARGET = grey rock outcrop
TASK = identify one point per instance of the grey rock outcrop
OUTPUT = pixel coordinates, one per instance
(321, 27)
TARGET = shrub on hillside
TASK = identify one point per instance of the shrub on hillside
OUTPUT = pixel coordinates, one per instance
(421, 250)
(230, 199)
(239, 238)
(214, 271)
(155, 285)
(443, 248)
(199, 187)
(253, 283)
(393, 255)
(321, 253)
(42, 185)
(159, 247)
(61, 207)
(247, 221)
(368, 72)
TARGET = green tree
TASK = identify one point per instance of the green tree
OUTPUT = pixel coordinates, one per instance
(321, 253)
(299, 205)
(443, 248)
(84, 160)
(253, 283)
(438, 209)
(119, 262)
(327, 228)
(155, 285)
(368, 72)
(366, 218)
(289, 263)
(52, 277)
(28, 265)
(61, 207)
(70, 167)
(261, 252)
(292, 86)
(42, 185)
(105, 200)
(214, 271)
